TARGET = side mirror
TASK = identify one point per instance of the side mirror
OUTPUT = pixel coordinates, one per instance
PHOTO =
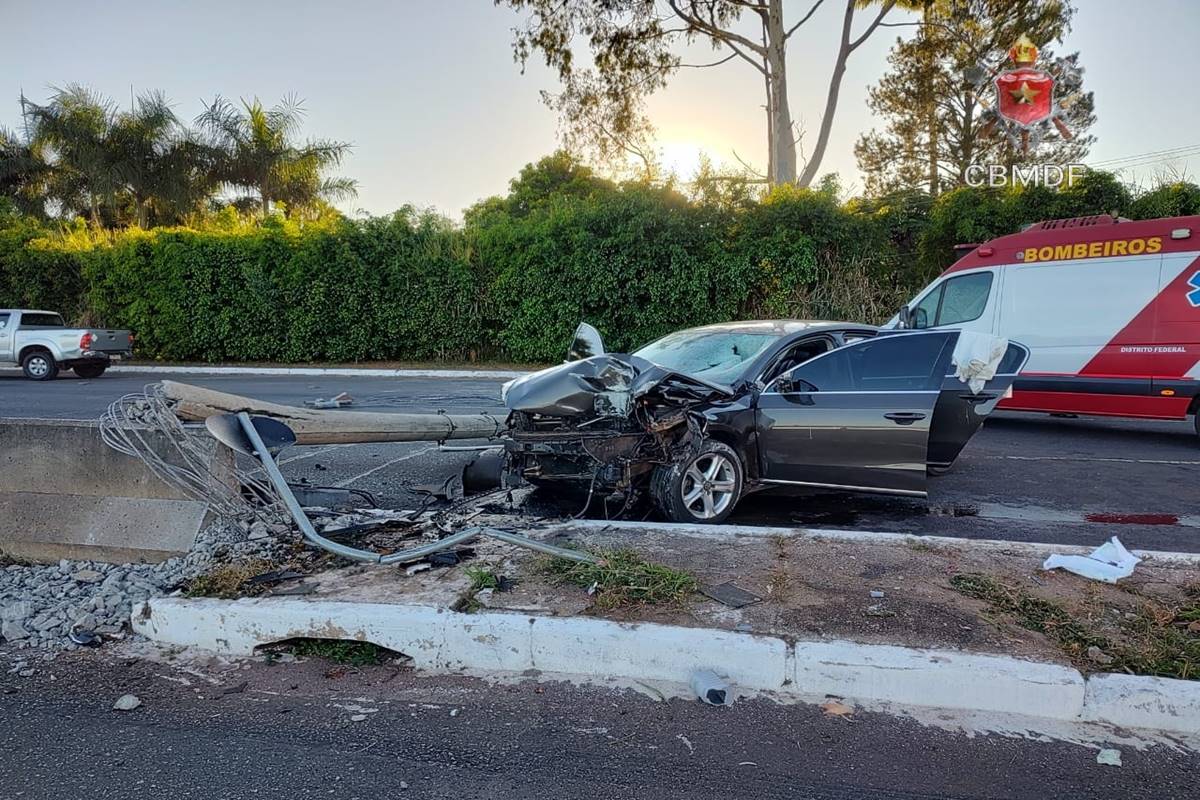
(920, 319)
(587, 343)
(905, 318)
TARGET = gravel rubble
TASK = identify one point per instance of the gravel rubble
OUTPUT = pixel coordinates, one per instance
(41, 605)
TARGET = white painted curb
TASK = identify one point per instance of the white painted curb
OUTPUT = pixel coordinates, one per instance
(320, 371)
(601, 651)
(440, 640)
(1142, 702)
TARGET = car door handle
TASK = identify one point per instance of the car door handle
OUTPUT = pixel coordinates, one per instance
(904, 417)
(982, 397)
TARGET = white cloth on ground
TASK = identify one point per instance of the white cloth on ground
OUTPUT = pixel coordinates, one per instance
(1109, 562)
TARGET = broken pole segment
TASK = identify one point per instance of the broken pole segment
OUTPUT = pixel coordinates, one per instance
(314, 426)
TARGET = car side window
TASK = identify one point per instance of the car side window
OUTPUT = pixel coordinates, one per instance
(895, 363)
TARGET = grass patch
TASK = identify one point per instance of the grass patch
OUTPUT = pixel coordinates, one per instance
(341, 651)
(622, 579)
(229, 580)
(1149, 639)
(482, 578)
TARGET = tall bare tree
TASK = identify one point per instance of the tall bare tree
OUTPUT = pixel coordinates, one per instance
(635, 48)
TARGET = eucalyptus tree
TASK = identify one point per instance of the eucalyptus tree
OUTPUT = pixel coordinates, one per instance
(635, 47)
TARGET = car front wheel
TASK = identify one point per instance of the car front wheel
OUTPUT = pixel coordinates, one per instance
(703, 488)
(39, 365)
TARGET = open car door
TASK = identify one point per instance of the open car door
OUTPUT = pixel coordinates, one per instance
(960, 412)
(858, 417)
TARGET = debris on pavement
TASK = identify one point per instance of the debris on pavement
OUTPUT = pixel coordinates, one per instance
(337, 401)
(835, 707)
(1109, 562)
(710, 688)
(1109, 757)
(127, 702)
(730, 594)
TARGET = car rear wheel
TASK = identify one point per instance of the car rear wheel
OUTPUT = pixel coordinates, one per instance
(39, 365)
(90, 370)
(703, 488)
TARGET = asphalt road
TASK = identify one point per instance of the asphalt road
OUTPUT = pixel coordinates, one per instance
(1023, 477)
(290, 730)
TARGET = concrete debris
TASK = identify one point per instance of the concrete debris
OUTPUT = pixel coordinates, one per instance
(1095, 654)
(1109, 757)
(72, 604)
(127, 702)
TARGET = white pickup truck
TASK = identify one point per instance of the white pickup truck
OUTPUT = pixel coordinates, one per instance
(42, 344)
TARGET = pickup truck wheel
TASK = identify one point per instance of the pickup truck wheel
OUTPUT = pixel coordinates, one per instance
(39, 365)
(704, 488)
(90, 370)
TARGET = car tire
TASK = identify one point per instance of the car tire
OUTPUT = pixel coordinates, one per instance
(89, 370)
(941, 469)
(701, 489)
(39, 365)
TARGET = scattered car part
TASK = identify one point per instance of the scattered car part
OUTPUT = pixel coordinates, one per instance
(711, 688)
(341, 400)
(248, 437)
(730, 594)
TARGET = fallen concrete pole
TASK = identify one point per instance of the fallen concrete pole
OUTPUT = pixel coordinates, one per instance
(313, 426)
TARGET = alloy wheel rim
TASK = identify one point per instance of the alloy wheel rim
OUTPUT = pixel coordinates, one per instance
(709, 485)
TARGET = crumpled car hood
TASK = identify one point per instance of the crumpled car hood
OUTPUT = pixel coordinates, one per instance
(604, 385)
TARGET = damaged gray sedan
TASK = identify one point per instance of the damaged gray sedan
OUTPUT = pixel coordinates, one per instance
(702, 417)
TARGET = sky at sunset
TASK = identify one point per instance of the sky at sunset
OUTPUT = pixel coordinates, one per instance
(439, 115)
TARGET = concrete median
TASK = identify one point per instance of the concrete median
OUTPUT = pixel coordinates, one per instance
(65, 494)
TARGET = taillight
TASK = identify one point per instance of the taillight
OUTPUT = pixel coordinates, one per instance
(85, 341)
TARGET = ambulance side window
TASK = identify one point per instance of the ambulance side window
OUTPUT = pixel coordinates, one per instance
(957, 300)
(964, 298)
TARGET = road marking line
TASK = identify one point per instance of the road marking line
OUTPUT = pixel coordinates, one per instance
(1108, 460)
(348, 481)
(303, 456)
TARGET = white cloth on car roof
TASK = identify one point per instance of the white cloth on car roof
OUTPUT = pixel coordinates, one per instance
(976, 358)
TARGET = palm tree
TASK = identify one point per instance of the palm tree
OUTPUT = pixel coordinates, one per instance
(71, 132)
(139, 166)
(164, 168)
(23, 173)
(257, 153)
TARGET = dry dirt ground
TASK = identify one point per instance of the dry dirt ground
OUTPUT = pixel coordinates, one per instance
(813, 587)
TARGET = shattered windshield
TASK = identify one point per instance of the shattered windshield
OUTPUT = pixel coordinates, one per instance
(718, 356)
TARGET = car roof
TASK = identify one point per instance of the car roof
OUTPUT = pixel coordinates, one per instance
(783, 327)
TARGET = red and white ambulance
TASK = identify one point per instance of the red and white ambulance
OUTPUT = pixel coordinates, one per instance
(1109, 309)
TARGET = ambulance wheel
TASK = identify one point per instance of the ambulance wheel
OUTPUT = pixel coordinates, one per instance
(1196, 421)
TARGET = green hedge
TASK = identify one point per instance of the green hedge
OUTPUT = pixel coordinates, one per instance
(514, 279)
